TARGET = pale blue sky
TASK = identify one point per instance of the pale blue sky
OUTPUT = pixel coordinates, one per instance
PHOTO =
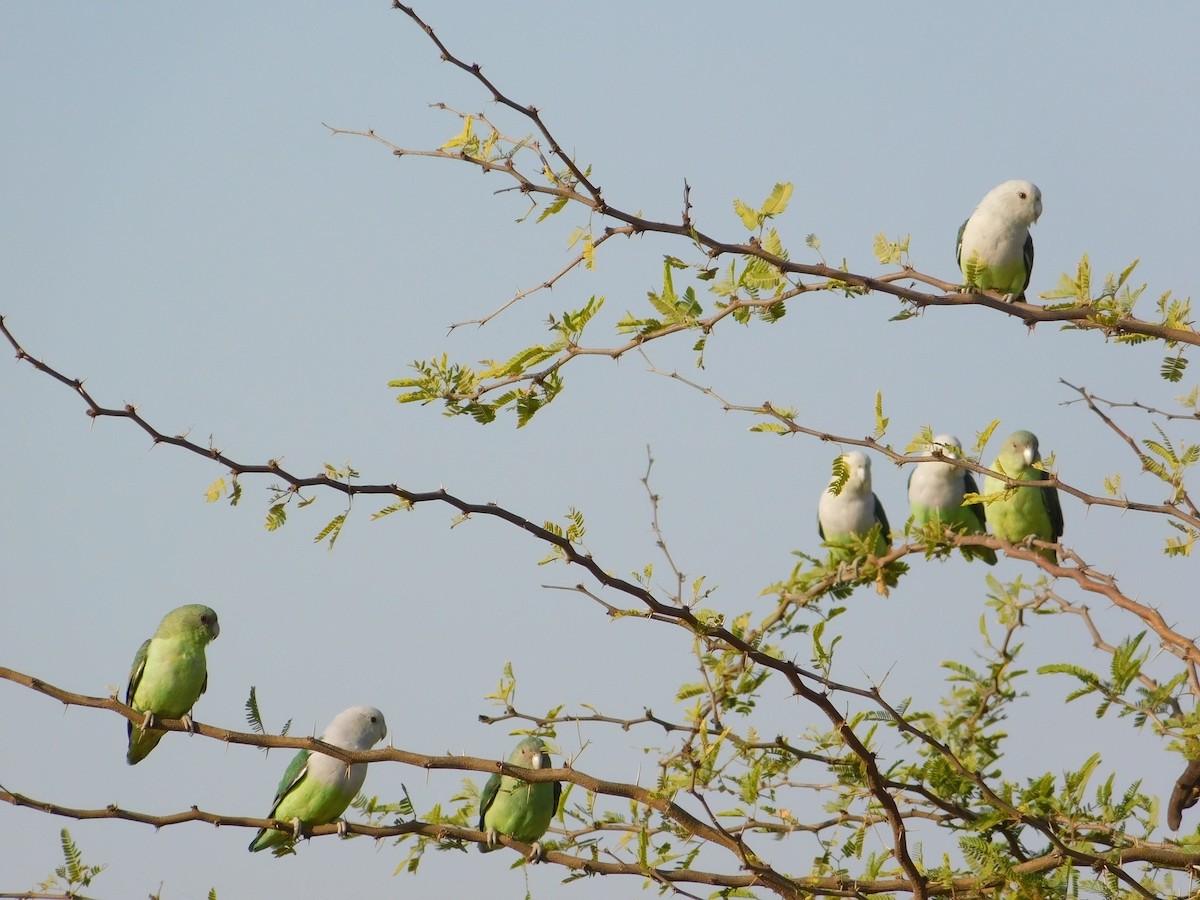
(179, 228)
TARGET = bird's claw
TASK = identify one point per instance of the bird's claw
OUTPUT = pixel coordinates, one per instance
(188, 723)
(493, 839)
(148, 720)
(343, 828)
(536, 853)
(296, 826)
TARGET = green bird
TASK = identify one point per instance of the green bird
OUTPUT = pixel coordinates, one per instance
(517, 808)
(1027, 512)
(935, 493)
(315, 788)
(995, 248)
(169, 674)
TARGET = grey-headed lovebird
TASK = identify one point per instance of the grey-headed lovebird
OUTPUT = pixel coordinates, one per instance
(853, 511)
(995, 249)
(315, 788)
(935, 494)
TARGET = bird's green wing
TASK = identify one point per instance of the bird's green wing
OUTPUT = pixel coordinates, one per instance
(881, 518)
(975, 509)
(1053, 507)
(135, 672)
(292, 776)
(958, 247)
(1028, 264)
(487, 798)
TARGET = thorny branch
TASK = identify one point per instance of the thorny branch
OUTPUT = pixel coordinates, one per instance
(800, 888)
(1190, 515)
(811, 686)
(1079, 571)
(1183, 499)
(759, 875)
(1082, 316)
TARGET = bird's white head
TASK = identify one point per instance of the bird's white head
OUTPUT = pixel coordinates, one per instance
(859, 465)
(1020, 200)
(357, 728)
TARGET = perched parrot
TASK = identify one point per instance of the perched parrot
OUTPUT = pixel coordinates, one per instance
(995, 249)
(1028, 511)
(169, 674)
(517, 808)
(935, 493)
(853, 511)
(316, 789)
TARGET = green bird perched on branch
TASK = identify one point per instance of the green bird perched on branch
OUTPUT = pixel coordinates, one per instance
(518, 808)
(1024, 512)
(169, 674)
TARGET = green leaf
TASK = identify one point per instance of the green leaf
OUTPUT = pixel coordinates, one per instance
(253, 715)
(1173, 367)
(215, 491)
(398, 506)
(555, 207)
(841, 474)
(890, 252)
(331, 531)
(982, 437)
(687, 691)
(777, 202)
(748, 216)
(773, 244)
(276, 517)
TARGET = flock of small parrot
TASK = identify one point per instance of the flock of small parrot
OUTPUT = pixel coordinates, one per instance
(995, 252)
(169, 674)
(935, 493)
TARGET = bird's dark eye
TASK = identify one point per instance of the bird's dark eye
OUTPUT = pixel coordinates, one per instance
(1023, 195)
(374, 720)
